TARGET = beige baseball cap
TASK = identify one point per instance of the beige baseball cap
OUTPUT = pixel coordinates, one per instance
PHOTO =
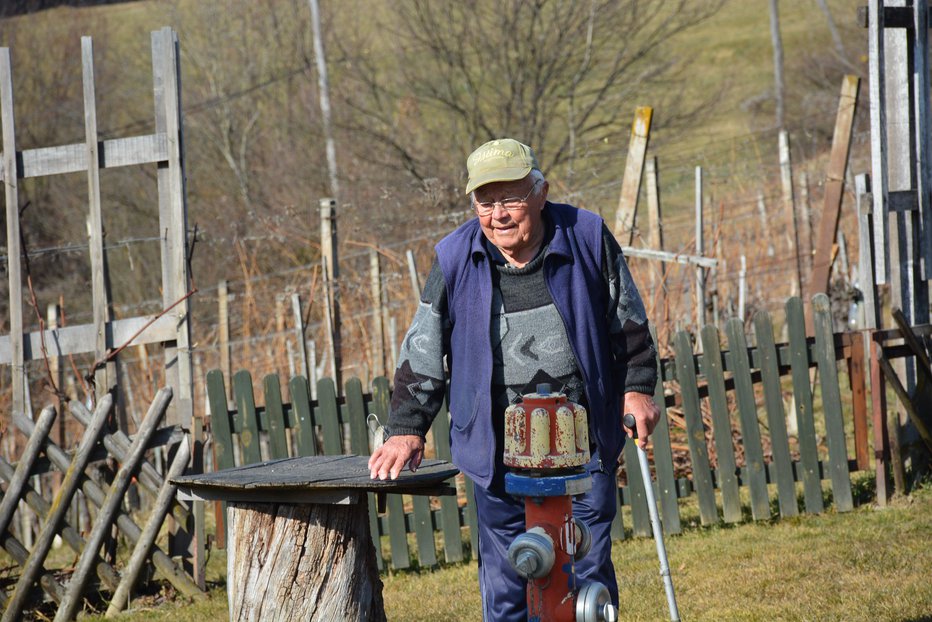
(502, 159)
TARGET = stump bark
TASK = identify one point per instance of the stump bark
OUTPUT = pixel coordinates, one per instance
(302, 562)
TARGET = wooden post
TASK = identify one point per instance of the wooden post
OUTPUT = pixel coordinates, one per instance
(764, 222)
(223, 318)
(700, 274)
(299, 333)
(101, 303)
(378, 329)
(805, 213)
(866, 261)
(13, 247)
(412, 275)
(173, 222)
(331, 274)
(323, 90)
(655, 239)
(742, 287)
(789, 206)
(279, 332)
(877, 71)
(626, 216)
(331, 336)
(834, 185)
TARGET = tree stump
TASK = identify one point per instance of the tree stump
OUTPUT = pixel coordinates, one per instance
(298, 540)
(302, 562)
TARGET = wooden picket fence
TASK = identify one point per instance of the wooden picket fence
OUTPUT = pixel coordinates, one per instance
(751, 378)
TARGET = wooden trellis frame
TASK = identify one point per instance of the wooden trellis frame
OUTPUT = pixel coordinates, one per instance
(165, 149)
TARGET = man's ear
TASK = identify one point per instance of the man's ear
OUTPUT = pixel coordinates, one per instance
(545, 190)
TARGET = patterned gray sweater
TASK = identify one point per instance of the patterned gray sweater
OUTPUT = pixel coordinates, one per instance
(527, 336)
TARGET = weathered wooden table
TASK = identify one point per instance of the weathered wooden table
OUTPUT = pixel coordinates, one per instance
(299, 546)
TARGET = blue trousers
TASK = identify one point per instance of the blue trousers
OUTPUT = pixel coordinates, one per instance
(501, 520)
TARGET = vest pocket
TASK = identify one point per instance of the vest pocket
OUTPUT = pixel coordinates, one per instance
(463, 426)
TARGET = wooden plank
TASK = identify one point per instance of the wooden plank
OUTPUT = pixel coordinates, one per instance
(424, 532)
(220, 424)
(76, 339)
(356, 416)
(637, 496)
(663, 458)
(781, 462)
(246, 407)
(695, 431)
(626, 215)
(747, 413)
(381, 398)
(359, 445)
(923, 150)
(802, 394)
(721, 424)
(831, 404)
(73, 476)
(221, 431)
(449, 507)
(112, 153)
(878, 98)
(304, 426)
(834, 185)
(13, 247)
(327, 414)
(278, 440)
(618, 525)
(857, 383)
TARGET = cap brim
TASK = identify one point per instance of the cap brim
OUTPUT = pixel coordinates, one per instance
(502, 174)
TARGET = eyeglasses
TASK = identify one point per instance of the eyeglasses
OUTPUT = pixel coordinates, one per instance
(511, 204)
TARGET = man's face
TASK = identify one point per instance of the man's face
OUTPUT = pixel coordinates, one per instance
(516, 232)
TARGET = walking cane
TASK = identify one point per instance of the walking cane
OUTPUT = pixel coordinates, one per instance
(654, 520)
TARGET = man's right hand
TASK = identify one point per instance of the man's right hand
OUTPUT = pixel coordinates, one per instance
(388, 460)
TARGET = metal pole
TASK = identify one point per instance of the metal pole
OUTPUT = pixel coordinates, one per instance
(700, 275)
(654, 520)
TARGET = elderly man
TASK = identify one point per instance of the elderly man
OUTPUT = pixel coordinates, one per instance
(528, 292)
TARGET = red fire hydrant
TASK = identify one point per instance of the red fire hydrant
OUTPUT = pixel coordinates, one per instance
(547, 444)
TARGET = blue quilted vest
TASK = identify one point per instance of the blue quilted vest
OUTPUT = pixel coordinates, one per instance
(573, 271)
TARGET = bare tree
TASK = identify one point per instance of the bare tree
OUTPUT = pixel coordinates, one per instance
(561, 76)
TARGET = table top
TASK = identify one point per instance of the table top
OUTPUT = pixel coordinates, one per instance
(312, 479)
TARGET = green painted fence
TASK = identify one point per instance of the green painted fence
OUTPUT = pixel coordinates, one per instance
(744, 389)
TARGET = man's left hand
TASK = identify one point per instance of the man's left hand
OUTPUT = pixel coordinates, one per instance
(645, 412)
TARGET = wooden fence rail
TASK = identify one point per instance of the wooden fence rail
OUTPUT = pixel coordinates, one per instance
(745, 389)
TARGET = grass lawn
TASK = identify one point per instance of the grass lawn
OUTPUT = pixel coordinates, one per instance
(870, 564)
